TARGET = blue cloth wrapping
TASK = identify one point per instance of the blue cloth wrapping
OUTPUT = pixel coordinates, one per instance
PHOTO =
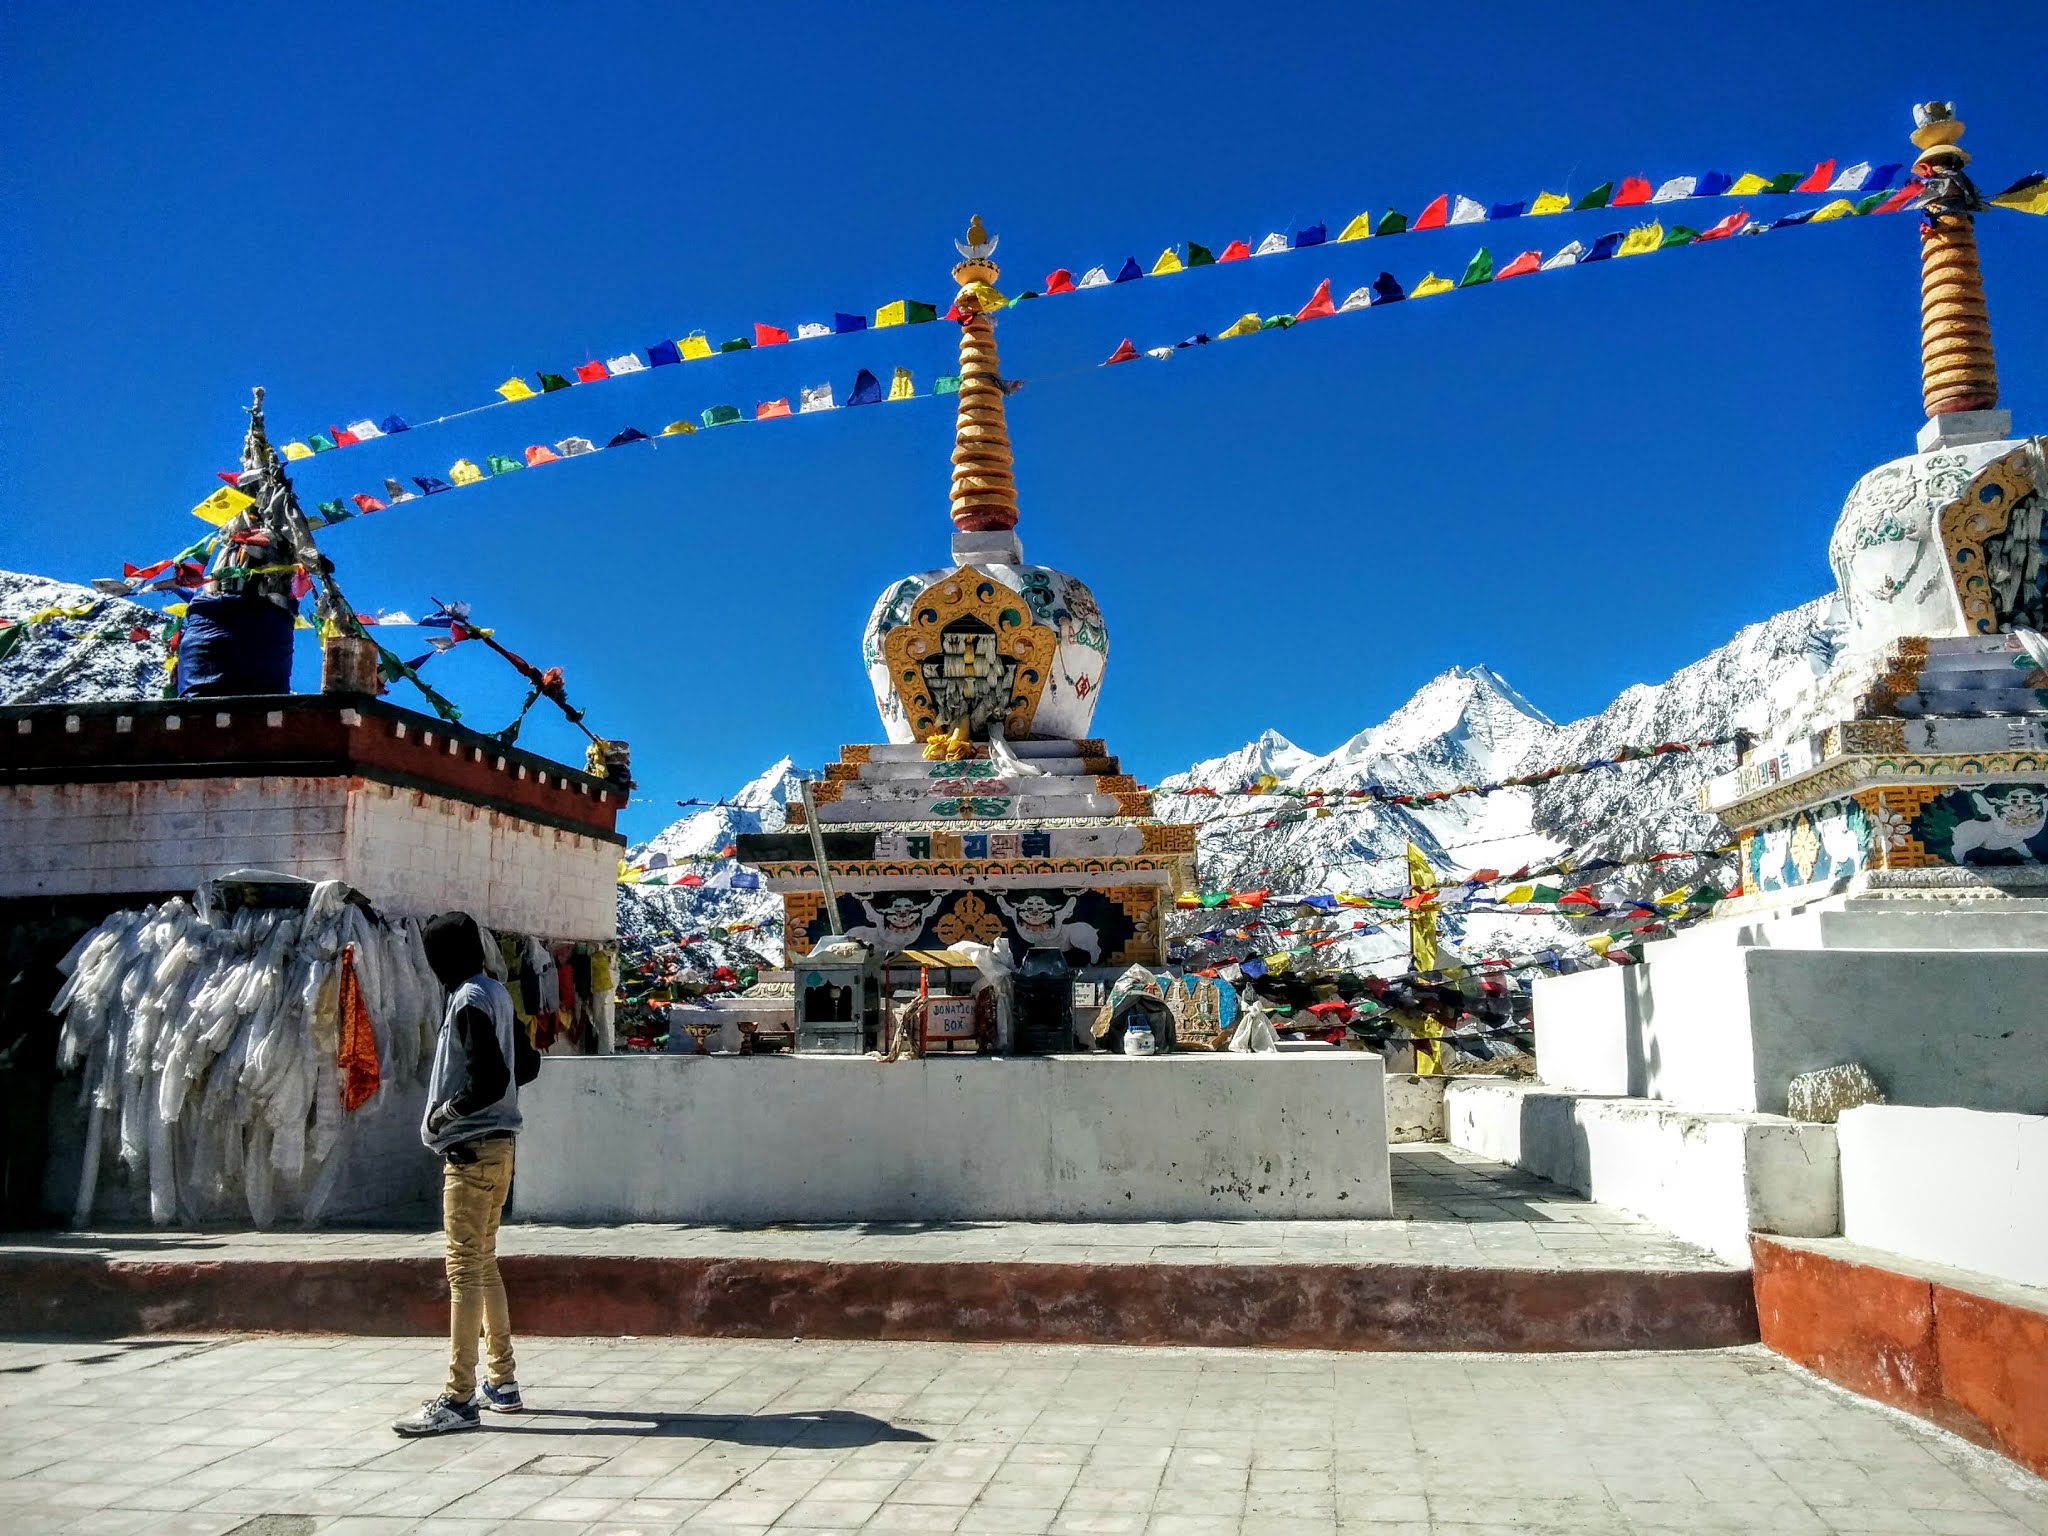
(234, 645)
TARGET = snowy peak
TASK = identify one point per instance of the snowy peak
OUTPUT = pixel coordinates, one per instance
(757, 807)
(1467, 721)
(767, 793)
(1270, 753)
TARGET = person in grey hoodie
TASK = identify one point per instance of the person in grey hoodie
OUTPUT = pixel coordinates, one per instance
(480, 1060)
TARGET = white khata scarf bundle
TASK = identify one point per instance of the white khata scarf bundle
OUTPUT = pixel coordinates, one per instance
(209, 1044)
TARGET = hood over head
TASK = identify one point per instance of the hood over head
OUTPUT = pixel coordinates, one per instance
(455, 949)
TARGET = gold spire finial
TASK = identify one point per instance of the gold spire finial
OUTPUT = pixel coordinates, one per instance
(984, 496)
(1957, 369)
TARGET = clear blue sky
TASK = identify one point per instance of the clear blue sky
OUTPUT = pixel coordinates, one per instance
(1584, 480)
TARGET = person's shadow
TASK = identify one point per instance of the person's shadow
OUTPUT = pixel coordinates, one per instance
(833, 1429)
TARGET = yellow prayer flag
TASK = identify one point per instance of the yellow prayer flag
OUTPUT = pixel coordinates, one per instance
(1358, 229)
(516, 388)
(890, 314)
(1840, 208)
(297, 451)
(1422, 926)
(1519, 894)
(1168, 262)
(222, 505)
(1276, 964)
(902, 386)
(694, 346)
(59, 611)
(465, 473)
(1600, 943)
(1642, 240)
(1548, 202)
(1430, 287)
(677, 429)
(1748, 184)
(2029, 199)
(1244, 327)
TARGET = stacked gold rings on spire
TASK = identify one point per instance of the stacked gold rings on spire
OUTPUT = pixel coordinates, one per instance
(1957, 369)
(984, 478)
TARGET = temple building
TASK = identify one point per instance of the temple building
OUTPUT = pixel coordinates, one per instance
(987, 814)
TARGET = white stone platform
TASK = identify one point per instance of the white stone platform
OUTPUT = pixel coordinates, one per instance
(1939, 993)
(752, 1140)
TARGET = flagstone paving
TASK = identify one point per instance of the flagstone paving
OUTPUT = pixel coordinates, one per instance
(1450, 1208)
(278, 1436)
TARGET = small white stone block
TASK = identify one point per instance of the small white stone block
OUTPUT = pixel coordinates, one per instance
(220, 721)
(274, 718)
(123, 724)
(1822, 1095)
(174, 722)
(1959, 429)
(71, 724)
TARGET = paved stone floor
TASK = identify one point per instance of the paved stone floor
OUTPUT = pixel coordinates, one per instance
(278, 1436)
(1450, 1207)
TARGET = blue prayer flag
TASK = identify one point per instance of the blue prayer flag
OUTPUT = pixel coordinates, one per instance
(867, 389)
(431, 486)
(843, 324)
(662, 353)
(1131, 270)
(1603, 248)
(1880, 180)
(1713, 184)
(1313, 234)
(630, 435)
(391, 424)
(1506, 210)
(1385, 290)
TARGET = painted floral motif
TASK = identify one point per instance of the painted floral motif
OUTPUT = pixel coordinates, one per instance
(1889, 829)
(970, 921)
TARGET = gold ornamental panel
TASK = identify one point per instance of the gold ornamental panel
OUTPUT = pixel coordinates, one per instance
(1970, 522)
(972, 595)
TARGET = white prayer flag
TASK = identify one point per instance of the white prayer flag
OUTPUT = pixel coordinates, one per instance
(363, 431)
(810, 329)
(1465, 211)
(569, 447)
(1568, 257)
(1272, 244)
(1162, 353)
(628, 363)
(1676, 189)
(1096, 278)
(816, 398)
(1851, 180)
(1358, 298)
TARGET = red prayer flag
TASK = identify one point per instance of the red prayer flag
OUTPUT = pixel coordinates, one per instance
(343, 438)
(953, 314)
(1319, 305)
(1237, 250)
(1900, 198)
(771, 408)
(1435, 215)
(1727, 226)
(139, 633)
(540, 454)
(367, 503)
(769, 335)
(1521, 266)
(590, 373)
(229, 477)
(143, 573)
(1061, 281)
(1818, 178)
(1123, 354)
(1634, 190)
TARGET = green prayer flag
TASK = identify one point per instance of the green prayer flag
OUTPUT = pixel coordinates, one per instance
(915, 313)
(319, 442)
(1784, 183)
(1277, 323)
(737, 344)
(1478, 270)
(550, 382)
(720, 415)
(1028, 293)
(946, 384)
(1865, 204)
(11, 638)
(1677, 234)
(1391, 223)
(1215, 898)
(334, 512)
(1597, 198)
(1199, 255)
(500, 464)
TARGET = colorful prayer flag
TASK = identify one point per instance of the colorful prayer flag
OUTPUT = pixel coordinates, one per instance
(343, 438)
(465, 473)
(1603, 249)
(366, 503)
(222, 505)
(1677, 235)
(1272, 245)
(1522, 266)
(319, 442)
(551, 382)
(1359, 228)
(1430, 286)
(1245, 325)
(396, 493)
(1840, 208)
(1633, 192)
(1466, 211)
(1478, 270)
(569, 447)
(501, 464)
(630, 435)
(1436, 215)
(540, 453)
(516, 388)
(664, 354)
(1386, 290)
(1059, 281)
(1641, 240)
(393, 424)
(296, 451)
(1818, 178)
(1319, 306)
(1597, 198)
(1727, 226)
(1237, 250)
(2027, 195)
(946, 384)
(768, 409)
(816, 398)
(810, 330)
(867, 389)
(1168, 263)
(677, 429)
(1130, 271)
(364, 431)
(1310, 234)
(1094, 277)
(1501, 211)
(1200, 255)
(737, 344)
(625, 362)
(902, 386)
(1549, 202)
(431, 485)
(1677, 189)
(770, 335)
(721, 415)
(1125, 353)
(694, 347)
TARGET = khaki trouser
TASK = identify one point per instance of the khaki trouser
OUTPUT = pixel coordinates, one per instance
(472, 1197)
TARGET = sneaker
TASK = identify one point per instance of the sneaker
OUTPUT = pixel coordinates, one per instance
(501, 1399)
(439, 1415)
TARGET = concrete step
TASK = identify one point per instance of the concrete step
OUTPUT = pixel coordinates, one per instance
(2002, 700)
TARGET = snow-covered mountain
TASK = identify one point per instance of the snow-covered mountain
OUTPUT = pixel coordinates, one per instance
(1470, 726)
(67, 661)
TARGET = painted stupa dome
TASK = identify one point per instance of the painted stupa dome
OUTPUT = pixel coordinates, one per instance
(992, 643)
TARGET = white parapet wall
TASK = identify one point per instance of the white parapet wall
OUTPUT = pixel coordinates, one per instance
(1710, 1178)
(751, 1140)
(1958, 1187)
